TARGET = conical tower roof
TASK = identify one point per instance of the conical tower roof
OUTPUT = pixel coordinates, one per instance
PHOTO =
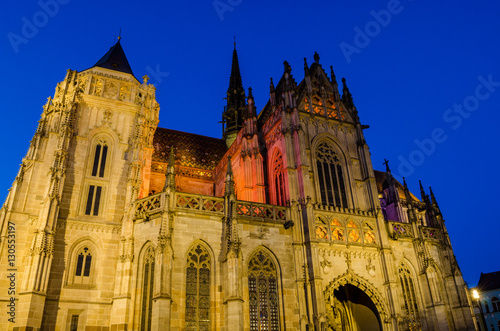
(115, 59)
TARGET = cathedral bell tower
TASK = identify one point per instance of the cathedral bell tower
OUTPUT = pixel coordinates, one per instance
(85, 165)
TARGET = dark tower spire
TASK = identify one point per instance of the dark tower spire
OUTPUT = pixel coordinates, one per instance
(232, 118)
(422, 192)
(347, 96)
(434, 201)
(335, 85)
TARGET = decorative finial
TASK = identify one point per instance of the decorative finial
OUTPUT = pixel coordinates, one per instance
(404, 183)
(271, 86)
(316, 57)
(145, 78)
(386, 165)
(234, 38)
(250, 95)
(120, 35)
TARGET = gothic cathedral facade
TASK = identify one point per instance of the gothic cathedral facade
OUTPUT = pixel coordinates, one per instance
(113, 223)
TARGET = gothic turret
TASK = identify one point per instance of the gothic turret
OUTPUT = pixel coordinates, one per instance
(235, 110)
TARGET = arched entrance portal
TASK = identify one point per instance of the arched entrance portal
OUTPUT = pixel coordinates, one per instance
(351, 309)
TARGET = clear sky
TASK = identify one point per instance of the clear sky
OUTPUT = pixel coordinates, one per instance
(424, 75)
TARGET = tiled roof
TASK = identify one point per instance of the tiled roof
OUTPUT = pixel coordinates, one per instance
(489, 281)
(380, 178)
(190, 150)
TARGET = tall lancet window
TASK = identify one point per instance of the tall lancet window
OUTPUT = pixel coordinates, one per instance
(147, 289)
(410, 300)
(263, 293)
(198, 289)
(330, 176)
(279, 179)
(100, 155)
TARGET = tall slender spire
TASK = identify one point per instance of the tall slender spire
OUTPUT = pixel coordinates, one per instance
(422, 192)
(347, 96)
(232, 118)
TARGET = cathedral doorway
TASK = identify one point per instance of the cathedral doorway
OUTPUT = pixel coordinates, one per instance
(351, 309)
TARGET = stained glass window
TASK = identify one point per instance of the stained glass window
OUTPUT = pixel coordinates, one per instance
(198, 289)
(147, 289)
(279, 179)
(410, 300)
(330, 176)
(263, 293)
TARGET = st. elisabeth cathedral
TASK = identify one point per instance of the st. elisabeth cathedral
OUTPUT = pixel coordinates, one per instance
(282, 224)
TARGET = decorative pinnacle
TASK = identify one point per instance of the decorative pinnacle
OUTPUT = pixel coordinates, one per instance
(288, 69)
(250, 95)
(271, 86)
(422, 192)
(306, 67)
(171, 160)
(434, 202)
(404, 183)
(229, 170)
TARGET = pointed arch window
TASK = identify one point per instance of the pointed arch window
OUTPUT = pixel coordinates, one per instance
(263, 293)
(410, 300)
(147, 289)
(330, 176)
(198, 289)
(279, 179)
(83, 266)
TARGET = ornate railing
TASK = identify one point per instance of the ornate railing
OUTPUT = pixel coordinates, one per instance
(431, 233)
(145, 207)
(400, 230)
(359, 212)
(199, 202)
(149, 204)
(260, 210)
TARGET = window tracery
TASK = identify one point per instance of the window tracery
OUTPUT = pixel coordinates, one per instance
(81, 268)
(198, 289)
(263, 293)
(279, 179)
(331, 229)
(410, 300)
(330, 176)
(147, 289)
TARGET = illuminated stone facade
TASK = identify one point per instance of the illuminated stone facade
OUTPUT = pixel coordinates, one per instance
(281, 225)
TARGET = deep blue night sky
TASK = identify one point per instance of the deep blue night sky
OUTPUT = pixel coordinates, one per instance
(424, 75)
